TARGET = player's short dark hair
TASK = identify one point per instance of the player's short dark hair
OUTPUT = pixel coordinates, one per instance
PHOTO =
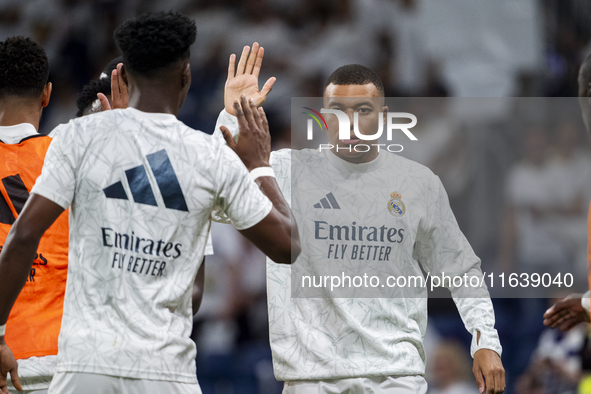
(89, 95)
(110, 67)
(153, 41)
(355, 74)
(24, 68)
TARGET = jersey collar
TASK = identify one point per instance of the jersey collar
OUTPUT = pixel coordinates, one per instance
(15, 134)
(157, 117)
(349, 167)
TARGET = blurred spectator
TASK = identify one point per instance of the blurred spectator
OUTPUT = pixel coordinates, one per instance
(451, 370)
(231, 329)
(529, 240)
(555, 366)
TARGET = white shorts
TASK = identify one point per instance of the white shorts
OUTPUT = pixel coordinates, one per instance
(89, 383)
(369, 385)
(27, 392)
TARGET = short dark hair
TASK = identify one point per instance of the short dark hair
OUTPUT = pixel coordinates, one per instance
(24, 68)
(110, 67)
(355, 74)
(153, 41)
(89, 95)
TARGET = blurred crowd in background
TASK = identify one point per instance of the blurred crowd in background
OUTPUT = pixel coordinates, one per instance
(518, 184)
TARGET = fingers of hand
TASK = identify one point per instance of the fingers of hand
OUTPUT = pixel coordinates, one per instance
(258, 61)
(256, 114)
(124, 93)
(556, 317)
(489, 379)
(479, 379)
(114, 83)
(242, 62)
(568, 324)
(498, 382)
(16, 380)
(228, 137)
(549, 312)
(268, 86)
(264, 120)
(247, 110)
(252, 58)
(104, 101)
(242, 125)
(231, 66)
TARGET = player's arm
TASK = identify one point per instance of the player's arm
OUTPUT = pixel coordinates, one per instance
(276, 235)
(197, 295)
(16, 260)
(443, 250)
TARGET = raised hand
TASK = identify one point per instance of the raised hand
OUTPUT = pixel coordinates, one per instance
(244, 78)
(566, 313)
(119, 92)
(489, 372)
(254, 141)
(8, 364)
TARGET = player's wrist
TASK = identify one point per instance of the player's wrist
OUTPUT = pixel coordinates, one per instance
(252, 165)
(262, 171)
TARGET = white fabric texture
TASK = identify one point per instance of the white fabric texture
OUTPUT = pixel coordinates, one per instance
(360, 336)
(142, 188)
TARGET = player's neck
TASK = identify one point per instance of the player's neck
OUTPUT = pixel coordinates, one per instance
(154, 98)
(369, 156)
(15, 111)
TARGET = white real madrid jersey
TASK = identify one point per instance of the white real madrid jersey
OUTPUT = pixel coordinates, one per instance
(141, 188)
(384, 216)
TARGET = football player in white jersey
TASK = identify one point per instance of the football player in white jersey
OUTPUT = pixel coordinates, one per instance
(142, 188)
(344, 345)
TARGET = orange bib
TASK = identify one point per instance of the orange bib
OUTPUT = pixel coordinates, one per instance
(35, 320)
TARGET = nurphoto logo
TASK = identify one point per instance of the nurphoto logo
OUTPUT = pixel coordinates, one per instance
(345, 128)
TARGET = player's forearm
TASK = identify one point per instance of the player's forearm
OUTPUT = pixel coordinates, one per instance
(269, 187)
(479, 319)
(16, 260)
(197, 295)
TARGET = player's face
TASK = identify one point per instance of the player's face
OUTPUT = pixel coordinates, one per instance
(364, 100)
(584, 82)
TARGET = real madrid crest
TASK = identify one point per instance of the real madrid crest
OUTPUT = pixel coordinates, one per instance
(395, 205)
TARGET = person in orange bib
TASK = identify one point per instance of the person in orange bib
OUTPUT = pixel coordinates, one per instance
(34, 323)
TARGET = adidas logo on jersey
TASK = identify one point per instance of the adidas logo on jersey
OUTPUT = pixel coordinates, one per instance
(141, 190)
(17, 194)
(328, 202)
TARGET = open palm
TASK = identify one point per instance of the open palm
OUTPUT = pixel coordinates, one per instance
(244, 78)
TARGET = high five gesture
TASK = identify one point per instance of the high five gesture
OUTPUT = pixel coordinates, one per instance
(243, 79)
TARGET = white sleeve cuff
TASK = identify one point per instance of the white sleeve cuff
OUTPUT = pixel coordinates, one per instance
(231, 123)
(586, 301)
(488, 340)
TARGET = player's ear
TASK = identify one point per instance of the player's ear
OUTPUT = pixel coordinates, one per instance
(186, 79)
(385, 112)
(46, 95)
